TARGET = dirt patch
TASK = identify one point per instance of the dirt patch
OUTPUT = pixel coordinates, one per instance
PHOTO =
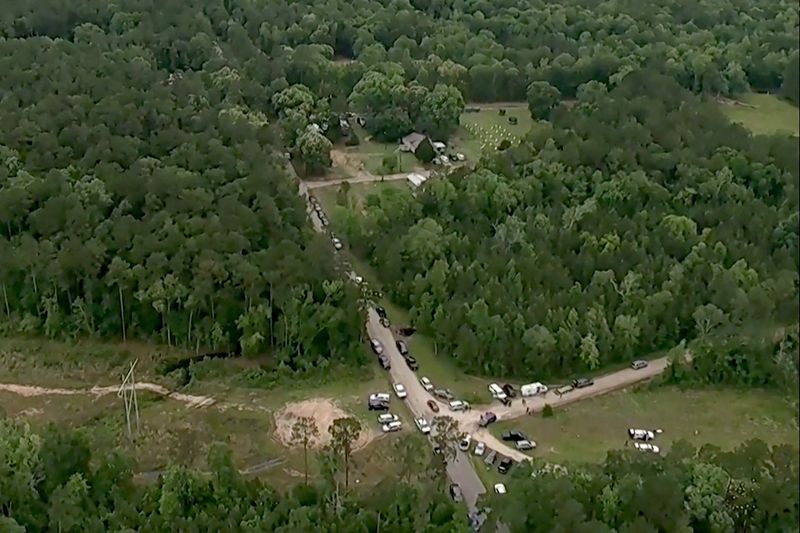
(323, 411)
(33, 390)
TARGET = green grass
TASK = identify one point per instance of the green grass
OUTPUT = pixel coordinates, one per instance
(371, 154)
(585, 431)
(482, 131)
(172, 432)
(770, 114)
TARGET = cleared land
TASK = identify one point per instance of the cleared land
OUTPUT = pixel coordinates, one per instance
(764, 114)
(172, 431)
(482, 131)
(586, 431)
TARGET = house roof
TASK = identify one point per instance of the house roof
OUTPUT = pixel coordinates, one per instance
(412, 141)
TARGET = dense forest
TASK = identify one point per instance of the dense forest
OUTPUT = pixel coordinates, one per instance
(51, 481)
(752, 488)
(638, 218)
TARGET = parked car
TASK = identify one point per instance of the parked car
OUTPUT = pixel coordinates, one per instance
(646, 447)
(412, 363)
(400, 390)
(643, 434)
(490, 458)
(580, 383)
(500, 488)
(376, 345)
(378, 405)
(433, 406)
(444, 394)
(455, 493)
(384, 321)
(392, 426)
(509, 390)
(638, 364)
(464, 443)
(380, 396)
(426, 384)
(565, 389)
(423, 425)
(380, 311)
(384, 361)
(402, 347)
(487, 418)
(523, 445)
(497, 392)
(505, 465)
(458, 405)
(513, 436)
(337, 244)
(480, 448)
(385, 418)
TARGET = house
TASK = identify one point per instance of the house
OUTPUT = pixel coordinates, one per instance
(418, 144)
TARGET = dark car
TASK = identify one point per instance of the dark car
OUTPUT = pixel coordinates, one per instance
(509, 390)
(381, 311)
(378, 405)
(433, 406)
(384, 361)
(487, 418)
(580, 383)
(412, 363)
(455, 493)
(402, 347)
(505, 465)
(384, 322)
(513, 436)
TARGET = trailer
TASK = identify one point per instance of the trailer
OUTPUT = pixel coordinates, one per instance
(532, 389)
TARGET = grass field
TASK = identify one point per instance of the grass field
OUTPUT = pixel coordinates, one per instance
(587, 430)
(171, 431)
(484, 130)
(358, 193)
(769, 115)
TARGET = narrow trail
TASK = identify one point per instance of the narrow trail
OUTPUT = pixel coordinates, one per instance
(191, 400)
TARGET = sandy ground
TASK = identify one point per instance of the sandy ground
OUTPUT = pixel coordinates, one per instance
(32, 390)
(323, 411)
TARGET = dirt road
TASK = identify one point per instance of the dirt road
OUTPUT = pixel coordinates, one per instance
(32, 390)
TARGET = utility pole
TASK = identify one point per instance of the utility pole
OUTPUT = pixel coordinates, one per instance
(127, 391)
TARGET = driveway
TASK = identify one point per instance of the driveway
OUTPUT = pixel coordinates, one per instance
(364, 177)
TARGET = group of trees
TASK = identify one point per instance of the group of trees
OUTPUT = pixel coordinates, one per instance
(393, 109)
(639, 218)
(752, 488)
(52, 481)
(139, 202)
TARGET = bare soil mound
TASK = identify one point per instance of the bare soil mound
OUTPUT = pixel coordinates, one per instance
(323, 411)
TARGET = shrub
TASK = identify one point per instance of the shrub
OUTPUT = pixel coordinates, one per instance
(547, 411)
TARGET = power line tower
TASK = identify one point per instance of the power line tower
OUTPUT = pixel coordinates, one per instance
(127, 391)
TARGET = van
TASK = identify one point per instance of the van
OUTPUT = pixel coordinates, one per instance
(458, 405)
(497, 391)
(532, 389)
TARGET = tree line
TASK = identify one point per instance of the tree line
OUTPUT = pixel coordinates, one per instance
(139, 203)
(52, 480)
(639, 218)
(751, 488)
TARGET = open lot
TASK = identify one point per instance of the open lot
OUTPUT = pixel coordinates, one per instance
(764, 114)
(482, 131)
(586, 430)
(357, 194)
(174, 432)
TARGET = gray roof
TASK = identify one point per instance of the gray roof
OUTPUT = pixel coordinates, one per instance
(412, 140)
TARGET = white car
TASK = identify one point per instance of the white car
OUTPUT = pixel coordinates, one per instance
(387, 418)
(400, 390)
(497, 392)
(523, 445)
(337, 244)
(645, 447)
(643, 434)
(458, 405)
(480, 449)
(358, 279)
(392, 426)
(381, 396)
(500, 488)
(423, 425)
(426, 384)
(464, 444)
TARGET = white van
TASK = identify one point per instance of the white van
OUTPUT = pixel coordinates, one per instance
(497, 392)
(532, 389)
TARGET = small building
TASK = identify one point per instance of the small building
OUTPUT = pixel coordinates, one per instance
(417, 179)
(418, 144)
